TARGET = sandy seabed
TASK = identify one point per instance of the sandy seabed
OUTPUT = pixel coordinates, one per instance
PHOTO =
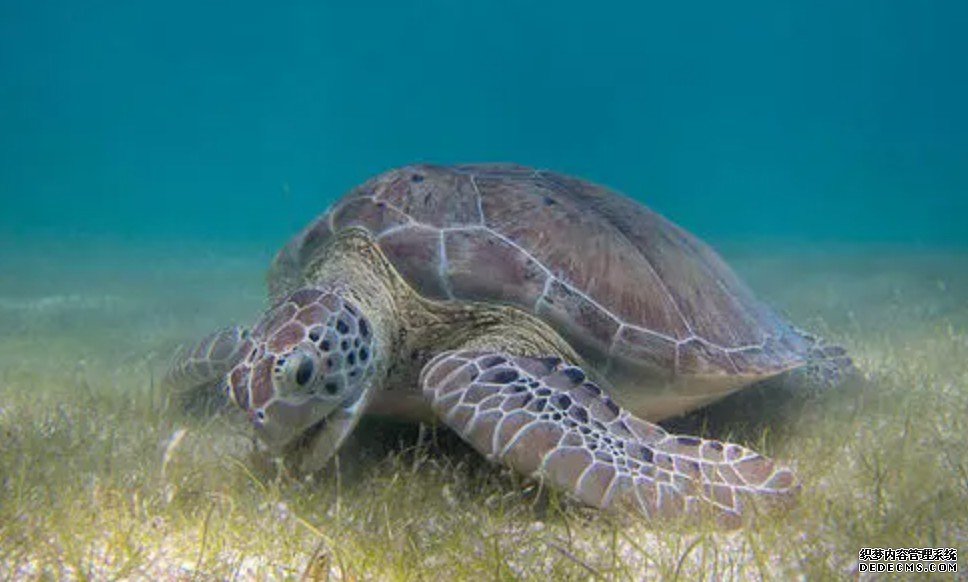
(98, 480)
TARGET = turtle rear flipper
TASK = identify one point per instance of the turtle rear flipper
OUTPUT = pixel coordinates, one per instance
(545, 419)
(196, 374)
(827, 365)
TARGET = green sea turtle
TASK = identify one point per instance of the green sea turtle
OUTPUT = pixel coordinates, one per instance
(548, 321)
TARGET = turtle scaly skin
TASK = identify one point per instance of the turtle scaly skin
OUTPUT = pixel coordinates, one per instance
(546, 320)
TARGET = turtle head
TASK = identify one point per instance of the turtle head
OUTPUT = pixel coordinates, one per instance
(307, 378)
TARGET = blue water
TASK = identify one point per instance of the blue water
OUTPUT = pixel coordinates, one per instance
(236, 121)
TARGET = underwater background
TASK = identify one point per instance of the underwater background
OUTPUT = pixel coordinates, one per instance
(238, 121)
(154, 156)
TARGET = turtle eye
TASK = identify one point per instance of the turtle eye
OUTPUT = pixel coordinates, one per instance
(305, 371)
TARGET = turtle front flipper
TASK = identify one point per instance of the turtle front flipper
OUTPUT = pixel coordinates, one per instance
(545, 419)
(196, 373)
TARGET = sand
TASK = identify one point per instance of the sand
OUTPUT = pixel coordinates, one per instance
(86, 330)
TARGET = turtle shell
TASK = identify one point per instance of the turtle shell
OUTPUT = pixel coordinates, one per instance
(631, 291)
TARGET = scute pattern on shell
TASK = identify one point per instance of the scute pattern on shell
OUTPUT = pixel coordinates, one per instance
(618, 281)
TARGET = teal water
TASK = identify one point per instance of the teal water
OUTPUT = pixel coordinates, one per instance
(236, 122)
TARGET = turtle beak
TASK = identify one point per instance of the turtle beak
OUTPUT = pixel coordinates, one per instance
(320, 440)
(282, 422)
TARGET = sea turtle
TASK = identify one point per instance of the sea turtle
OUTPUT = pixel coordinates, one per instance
(548, 321)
